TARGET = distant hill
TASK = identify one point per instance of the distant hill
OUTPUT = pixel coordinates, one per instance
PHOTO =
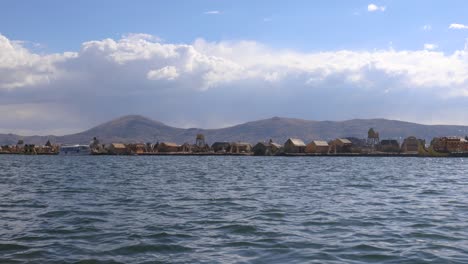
(134, 128)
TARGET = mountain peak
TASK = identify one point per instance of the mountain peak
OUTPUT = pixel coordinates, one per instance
(137, 128)
(132, 119)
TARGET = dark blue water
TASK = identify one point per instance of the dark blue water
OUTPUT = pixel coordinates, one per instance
(233, 210)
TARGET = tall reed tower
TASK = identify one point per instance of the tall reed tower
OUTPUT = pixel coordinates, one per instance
(200, 140)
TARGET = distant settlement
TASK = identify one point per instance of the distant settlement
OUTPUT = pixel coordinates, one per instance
(370, 146)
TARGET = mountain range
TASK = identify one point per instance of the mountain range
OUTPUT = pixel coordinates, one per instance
(135, 128)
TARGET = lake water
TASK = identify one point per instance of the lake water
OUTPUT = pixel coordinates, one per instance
(186, 209)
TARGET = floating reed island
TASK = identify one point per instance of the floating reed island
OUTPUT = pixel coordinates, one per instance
(371, 146)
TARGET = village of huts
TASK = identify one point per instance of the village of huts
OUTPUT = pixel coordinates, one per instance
(370, 146)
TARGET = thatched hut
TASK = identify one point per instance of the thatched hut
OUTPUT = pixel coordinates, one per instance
(410, 145)
(137, 148)
(117, 149)
(294, 145)
(266, 148)
(240, 147)
(317, 146)
(221, 147)
(389, 145)
(166, 147)
(341, 145)
(187, 148)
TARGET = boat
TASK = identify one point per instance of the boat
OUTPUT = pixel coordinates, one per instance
(75, 150)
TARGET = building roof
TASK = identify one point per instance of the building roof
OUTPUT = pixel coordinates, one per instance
(269, 144)
(137, 145)
(320, 143)
(344, 140)
(118, 145)
(297, 142)
(276, 145)
(169, 144)
(240, 144)
(462, 139)
(388, 142)
(221, 143)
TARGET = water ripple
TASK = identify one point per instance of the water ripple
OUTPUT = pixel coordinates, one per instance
(232, 210)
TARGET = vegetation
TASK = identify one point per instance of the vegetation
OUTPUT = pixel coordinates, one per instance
(433, 153)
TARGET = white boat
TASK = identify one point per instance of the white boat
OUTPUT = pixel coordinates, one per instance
(75, 150)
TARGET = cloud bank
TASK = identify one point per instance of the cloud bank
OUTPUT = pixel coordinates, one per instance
(214, 84)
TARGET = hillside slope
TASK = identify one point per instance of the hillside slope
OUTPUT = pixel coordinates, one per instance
(134, 128)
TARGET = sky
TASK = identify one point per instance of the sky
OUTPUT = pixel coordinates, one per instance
(67, 66)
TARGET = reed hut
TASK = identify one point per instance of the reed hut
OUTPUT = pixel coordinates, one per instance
(187, 148)
(117, 149)
(410, 145)
(389, 145)
(341, 145)
(240, 147)
(450, 144)
(221, 147)
(266, 148)
(137, 148)
(317, 146)
(166, 147)
(294, 145)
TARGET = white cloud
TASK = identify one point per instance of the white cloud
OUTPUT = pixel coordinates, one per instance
(210, 64)
(427, 28)
(139, 74)
(20, 67)
(374, 7)
(166, 73)
(458, 26)
(429, 46)
(212, 12)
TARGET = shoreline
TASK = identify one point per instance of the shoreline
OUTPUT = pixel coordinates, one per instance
(379, 155)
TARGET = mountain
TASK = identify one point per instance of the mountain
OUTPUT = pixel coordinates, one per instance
(134, 128)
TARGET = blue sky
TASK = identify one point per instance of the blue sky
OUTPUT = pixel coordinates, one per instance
(303, 25)
(66, 66)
